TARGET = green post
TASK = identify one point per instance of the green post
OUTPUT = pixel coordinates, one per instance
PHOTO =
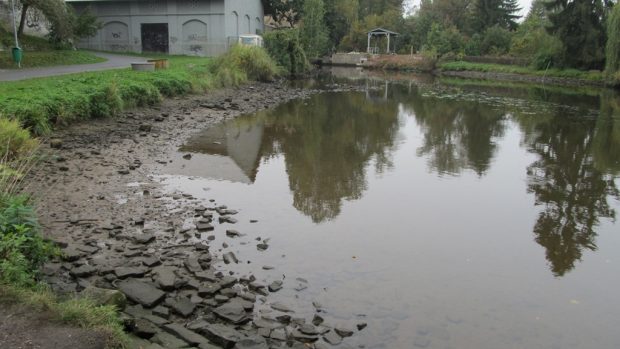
(17, 55)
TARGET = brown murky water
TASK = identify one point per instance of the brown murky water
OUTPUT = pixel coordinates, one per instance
(445, 215)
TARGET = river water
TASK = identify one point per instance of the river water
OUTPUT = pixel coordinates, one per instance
(445, 214)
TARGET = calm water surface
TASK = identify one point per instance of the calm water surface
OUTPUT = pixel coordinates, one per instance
(443, 214)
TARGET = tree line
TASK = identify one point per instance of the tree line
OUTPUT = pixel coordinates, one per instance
(581, 34)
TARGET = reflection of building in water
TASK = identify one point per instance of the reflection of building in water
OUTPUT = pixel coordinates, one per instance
(233, 151)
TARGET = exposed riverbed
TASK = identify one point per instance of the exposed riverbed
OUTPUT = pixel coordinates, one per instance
(440, 216)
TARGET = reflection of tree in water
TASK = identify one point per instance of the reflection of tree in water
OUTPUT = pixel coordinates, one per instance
(457, 134)
(327, 145)
(567, 182)
(606, 143)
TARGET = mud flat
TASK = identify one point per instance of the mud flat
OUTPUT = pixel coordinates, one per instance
(129, 242)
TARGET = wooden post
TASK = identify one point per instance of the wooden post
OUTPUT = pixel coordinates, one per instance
(388, 48)
(368, 48)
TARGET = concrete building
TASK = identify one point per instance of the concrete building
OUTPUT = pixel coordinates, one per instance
(188, 27)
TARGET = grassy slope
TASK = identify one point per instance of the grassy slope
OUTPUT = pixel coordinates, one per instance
(38, 52)
(41, 103)
(34, 59)
(511, 69)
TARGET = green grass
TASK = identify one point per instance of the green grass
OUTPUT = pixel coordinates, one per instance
(35, 59)
(500, 68)
(26, 42)
(40, 104)
(79, 312)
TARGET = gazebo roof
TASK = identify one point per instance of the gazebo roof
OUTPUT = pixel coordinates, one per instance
(383, 31)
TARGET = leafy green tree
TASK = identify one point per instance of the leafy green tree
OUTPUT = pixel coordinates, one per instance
(379, 7)
(284, 12)
(495, 40)
(339, 17)
(85, 24)
(285, 48)
(313, 32)
(579, 24)
(444, 40)
(532, 40)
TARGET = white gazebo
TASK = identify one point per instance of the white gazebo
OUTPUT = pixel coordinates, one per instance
(380, 32)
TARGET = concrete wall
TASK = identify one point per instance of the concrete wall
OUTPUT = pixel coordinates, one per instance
(195, 27)
(348, 58)
(244, 17)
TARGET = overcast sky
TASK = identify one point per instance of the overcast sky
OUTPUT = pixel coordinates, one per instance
(524, 4)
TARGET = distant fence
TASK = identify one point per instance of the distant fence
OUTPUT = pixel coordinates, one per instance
(498, 60)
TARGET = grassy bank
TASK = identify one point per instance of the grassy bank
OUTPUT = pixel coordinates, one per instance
(40, 104)
(37, 59)
(512, 69)
(78, 312)
(39, 52)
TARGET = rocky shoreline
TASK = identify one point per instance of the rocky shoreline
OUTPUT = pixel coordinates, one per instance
(128, 242)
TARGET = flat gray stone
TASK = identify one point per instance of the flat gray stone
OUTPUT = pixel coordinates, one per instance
(143, 238)
(189, 336)
(192, 265)
(125, 272)
(169, 341)
(206, 275)
(275, 286)
(228, 281)
(343, 331)
(141, 292)
(232, 312)
(208, 289)
(332, 338)
(83, 271)
(262, 322)
(183, 306)
(222, 335)
(281, 307)
(255, 342)
(229, 257)
(165, 278)
(144, 329)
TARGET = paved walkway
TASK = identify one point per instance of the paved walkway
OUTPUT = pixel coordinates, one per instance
(114, 61)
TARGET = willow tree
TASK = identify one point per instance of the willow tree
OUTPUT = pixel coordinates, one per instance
(612, 51)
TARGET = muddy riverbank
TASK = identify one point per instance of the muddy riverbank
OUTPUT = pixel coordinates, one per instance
(99, 200)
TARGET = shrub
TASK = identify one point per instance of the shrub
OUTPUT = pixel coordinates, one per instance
(22, 249)
(285, 48)
(252, 61)
(473, 46)
(496, 41)
(14, 140)
(444, 40)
